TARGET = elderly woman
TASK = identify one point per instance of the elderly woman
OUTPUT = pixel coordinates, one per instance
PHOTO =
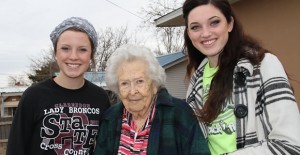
(148, 120)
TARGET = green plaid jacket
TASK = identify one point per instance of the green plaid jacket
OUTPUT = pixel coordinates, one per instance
(174, 131)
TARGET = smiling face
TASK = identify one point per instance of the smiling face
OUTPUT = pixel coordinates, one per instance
(73, 54)
(135, 87)
(208, 30)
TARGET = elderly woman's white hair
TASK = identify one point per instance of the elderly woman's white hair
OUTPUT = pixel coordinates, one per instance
(127, 53)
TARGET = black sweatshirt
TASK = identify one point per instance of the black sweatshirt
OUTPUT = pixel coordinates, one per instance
(52, 120)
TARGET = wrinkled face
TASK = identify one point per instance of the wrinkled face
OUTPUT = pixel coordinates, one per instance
(135, 87)
(208, 30)
(73, 54)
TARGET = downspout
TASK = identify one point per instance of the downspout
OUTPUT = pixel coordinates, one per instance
(2, 105)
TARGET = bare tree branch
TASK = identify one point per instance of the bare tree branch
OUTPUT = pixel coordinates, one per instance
(109, 40)
(18, 80)
(43, 67)
(169, 39)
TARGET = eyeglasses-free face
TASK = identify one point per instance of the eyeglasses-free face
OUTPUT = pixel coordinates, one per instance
(209, 30)
(73, 54)
(135, 86)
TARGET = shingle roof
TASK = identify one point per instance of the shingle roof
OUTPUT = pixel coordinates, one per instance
(98, 78)
(13, 89)
(165, 60)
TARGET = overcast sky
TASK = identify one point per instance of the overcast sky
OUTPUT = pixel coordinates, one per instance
(25, 26)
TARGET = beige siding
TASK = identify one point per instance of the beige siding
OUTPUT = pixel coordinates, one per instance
(276, 25)
(175, 80)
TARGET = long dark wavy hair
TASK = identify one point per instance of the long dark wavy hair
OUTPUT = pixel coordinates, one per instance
(237, 47)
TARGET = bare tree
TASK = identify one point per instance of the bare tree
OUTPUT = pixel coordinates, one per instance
(43, 67)
(18, 80)
(109, 40)
(169, 39)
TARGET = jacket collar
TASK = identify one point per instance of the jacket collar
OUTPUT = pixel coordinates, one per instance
(163, 98)
(243, 64)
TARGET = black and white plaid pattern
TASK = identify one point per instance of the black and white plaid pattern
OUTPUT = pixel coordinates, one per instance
(272, 125)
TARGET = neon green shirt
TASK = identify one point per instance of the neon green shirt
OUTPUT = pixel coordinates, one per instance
(221, 132)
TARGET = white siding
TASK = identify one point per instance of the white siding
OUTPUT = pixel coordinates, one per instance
(176, 83)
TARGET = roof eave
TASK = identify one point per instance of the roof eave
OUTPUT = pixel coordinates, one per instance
(171, 19)
(166, 66)
(175, 18)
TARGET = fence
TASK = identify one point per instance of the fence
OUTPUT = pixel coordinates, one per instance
(5, 124)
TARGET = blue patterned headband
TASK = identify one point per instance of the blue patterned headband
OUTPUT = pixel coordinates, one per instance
(76, 22)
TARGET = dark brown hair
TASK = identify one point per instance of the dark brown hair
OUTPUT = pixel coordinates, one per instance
(238, 46)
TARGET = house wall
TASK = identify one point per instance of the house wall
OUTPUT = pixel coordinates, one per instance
(276, 24)
(9, 106)
(6, 122)
(175, 80)
(12, 98)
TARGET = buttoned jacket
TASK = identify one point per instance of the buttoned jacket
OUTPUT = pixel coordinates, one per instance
(272, 122)
(174, 129)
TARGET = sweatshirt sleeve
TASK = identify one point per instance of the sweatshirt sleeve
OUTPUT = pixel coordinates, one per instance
(21, 129)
